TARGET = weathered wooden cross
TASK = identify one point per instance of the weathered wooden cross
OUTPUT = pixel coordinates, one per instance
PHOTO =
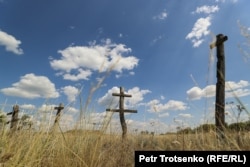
(14, 118)
(220, 86)
(121, 110)
(58, 114)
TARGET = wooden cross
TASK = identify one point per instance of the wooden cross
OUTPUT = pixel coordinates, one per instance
(121, 110)
(58, 114)
(14, 118)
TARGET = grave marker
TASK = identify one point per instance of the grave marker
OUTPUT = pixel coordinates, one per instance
(121, 110)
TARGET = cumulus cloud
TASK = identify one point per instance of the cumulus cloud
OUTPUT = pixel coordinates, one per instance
(162, 16)
(28, 106)
(108, 100)
(206, 9)
(31, 86)
(10, 43)
(231, 89)
(67, 122)
(111, 101)
(72, 109)
(164, 115)
(137, 95)
(82, 74)
(230, 85)
(47, 108)
(71, 93)
(156, 106)
(199, 30)
(201, 26)
(185, 115)
(83, 60)
(97, 117)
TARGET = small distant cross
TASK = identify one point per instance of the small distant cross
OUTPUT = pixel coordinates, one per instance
(121, 110)
(14, 118)
(58, 114)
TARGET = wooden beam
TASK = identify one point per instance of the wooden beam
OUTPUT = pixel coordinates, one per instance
(220, 87)
(121, 95)
(118, 110)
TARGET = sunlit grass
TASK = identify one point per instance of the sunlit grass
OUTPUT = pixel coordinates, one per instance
(87, 148)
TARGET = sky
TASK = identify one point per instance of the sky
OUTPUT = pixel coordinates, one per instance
(79, 52)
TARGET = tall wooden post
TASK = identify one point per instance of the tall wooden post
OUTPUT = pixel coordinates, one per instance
(14, 118)
(58, 114)
(121, 110)
(220, 86)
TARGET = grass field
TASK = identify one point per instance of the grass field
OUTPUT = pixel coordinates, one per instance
(95, 149)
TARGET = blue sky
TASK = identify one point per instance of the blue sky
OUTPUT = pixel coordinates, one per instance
(157, 50)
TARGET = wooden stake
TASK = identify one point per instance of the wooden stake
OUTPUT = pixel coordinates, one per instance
(220, 87)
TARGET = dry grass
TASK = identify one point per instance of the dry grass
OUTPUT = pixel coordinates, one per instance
(31, 149)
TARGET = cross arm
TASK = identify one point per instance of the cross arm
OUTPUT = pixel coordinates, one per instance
(118, 110)
(121, 94)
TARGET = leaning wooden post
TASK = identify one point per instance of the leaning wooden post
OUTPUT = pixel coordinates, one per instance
(220, 86)
(14, 118)
(58, 114)
(121, 110)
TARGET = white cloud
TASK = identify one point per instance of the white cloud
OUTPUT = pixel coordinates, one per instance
(197, 43)
(82, 74)
(72, 109)
(156, 106)
(162, 97)
(131, 73)
(10, 43)
(111, 101)
(97, 117)
(71, 93)
(206, 9)
(28, 106)
(108, 100)
(195, 93)
(32, 86)
(67, 122)
(238, 93)
(185, 115)
(47, 108)
(199, 30)
(230, 85)
(157, 39)
(231, 89)
(119, 75)
(85, 59)
(164, 115)
(162, 16)
(137, 95)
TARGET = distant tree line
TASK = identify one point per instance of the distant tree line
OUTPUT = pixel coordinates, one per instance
(234, 127)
